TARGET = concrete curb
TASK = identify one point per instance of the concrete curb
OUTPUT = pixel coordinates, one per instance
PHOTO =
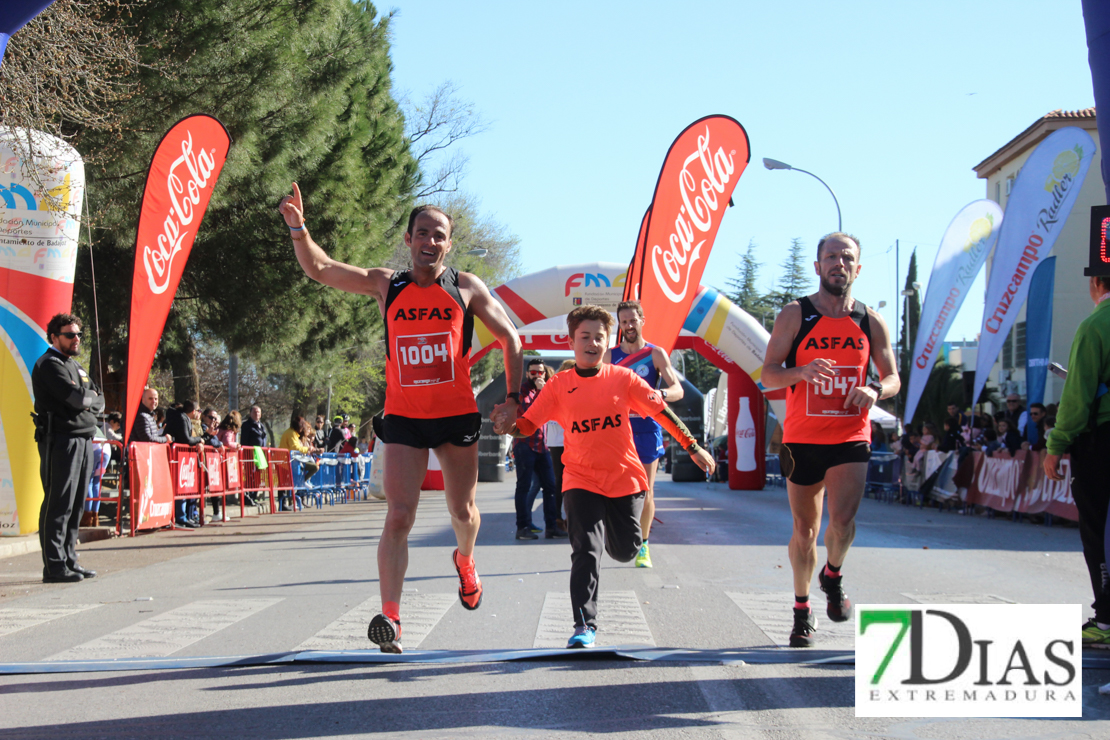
(12, 546)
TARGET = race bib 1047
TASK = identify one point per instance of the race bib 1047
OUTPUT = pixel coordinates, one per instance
(425, 359)
(827, 398)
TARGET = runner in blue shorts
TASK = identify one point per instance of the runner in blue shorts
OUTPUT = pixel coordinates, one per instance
(652, 364)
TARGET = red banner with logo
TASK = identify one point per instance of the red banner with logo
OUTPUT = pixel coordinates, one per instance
(187, 472)
(213, 469)
(1048, 496)
(179, 185)
(694, 189)
(151, 485)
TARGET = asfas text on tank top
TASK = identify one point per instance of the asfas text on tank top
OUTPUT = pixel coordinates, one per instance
(815, 414)
(428, 334)
(641, 363)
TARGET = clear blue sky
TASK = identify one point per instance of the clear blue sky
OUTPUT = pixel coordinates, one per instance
(892, 104)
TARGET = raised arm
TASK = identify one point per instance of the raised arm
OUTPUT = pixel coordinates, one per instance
(774, 375)
(322, 268)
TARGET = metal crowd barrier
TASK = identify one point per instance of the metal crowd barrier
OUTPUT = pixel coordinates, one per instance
(117, 495)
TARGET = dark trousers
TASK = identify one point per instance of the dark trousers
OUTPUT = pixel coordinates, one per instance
(557, 465)
(594, 520)
(1090, 469)
(66, 467)
(529, 462)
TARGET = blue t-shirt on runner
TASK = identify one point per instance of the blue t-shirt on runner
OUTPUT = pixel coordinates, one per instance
(641, 364)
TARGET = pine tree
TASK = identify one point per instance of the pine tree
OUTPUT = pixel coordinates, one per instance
(795, 281)
(744, 285)
(910, 318)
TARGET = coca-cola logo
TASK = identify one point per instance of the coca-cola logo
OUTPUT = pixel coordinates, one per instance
(674, 264)
(188, 176)
(187, 472)
(748, 433)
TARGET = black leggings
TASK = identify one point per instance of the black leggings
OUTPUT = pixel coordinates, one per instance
(594, 520)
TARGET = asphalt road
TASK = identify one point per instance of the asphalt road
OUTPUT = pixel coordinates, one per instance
(720, 589)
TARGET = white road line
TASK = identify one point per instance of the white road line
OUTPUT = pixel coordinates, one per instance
(166, 633)
(620, 620)
(419, 615)
(14, 620)
(957, 599)
(772, 613)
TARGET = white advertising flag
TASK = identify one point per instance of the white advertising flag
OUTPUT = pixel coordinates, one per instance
(1040, 201)
(964, 248)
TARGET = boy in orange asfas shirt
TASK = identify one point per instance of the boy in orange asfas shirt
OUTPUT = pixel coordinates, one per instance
(603, 479)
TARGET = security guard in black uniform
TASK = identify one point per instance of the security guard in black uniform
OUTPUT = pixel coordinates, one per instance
(66, 405)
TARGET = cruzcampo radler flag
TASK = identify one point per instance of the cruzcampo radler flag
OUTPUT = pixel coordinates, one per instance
(1039, 204)
(182, 176)
(963, 249)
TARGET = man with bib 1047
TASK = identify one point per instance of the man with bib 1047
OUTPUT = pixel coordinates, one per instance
(820, 348)
(429, 313)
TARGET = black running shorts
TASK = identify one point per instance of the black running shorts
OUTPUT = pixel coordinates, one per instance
(804, 464)
(461, 431)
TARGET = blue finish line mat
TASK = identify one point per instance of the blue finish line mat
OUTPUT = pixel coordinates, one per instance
(1092, 659)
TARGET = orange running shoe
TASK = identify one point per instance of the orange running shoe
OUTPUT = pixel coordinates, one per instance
(470, 585)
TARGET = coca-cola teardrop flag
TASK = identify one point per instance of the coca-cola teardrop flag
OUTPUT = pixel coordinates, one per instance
(182, 176)
(694, 188)
(1040, 201)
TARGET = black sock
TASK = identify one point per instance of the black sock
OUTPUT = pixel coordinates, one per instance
(801, 602)
(831, 571)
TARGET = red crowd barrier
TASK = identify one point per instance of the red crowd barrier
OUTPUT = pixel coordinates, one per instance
(160, 475)
(1014, 484)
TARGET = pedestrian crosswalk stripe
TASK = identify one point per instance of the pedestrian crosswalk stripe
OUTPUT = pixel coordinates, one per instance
(166, 633)
(620, 620)
(14, 620)
(957, 599)
(419, 615)
(772, 613)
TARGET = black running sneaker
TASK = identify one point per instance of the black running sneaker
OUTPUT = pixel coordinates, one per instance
(805, 624)
(385, 633)
(840, 606)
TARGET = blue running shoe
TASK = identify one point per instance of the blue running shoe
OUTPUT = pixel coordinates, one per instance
(583, 637)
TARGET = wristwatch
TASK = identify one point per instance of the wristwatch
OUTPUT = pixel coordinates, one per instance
(514, 395)
(877, 387)
(663, 394)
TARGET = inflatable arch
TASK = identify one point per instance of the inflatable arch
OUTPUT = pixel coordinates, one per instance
(38, 256)
(719, 330)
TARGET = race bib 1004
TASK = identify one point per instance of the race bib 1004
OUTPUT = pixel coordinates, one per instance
(827, 398)
(425, 359)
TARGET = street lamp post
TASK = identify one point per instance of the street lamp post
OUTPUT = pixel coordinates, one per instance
(774, 164)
